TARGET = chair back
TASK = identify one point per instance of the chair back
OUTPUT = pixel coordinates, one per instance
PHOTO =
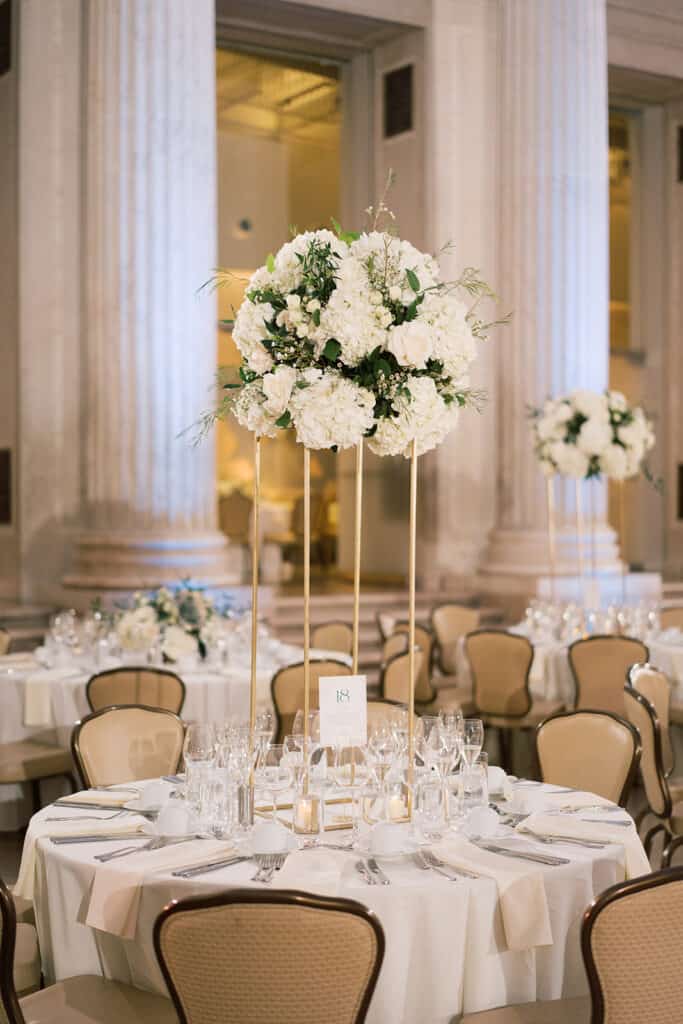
(395, 678)
(424, 638)
(287, 690)
(5, 640)
(397, 643)
(153, 687)
(594, 751)
(500, 663)
(643, 716)
(10, 1010)
(599, 665)
(631, 940)
(248, 956)
(333, 636)
(671, 618)
(234, 516)
(654, 685)
(385, 624)
(127, 744)
(384, 710)
(450, 622)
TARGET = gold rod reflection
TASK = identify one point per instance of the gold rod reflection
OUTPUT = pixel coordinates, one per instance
(307, 595)
(356, 553)
(255, 544)
(622, 538)
(579, 536)
(411, 618)
(552, 540)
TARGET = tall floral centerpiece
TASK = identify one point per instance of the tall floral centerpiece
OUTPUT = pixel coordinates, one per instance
(346, 337)
(587, 435)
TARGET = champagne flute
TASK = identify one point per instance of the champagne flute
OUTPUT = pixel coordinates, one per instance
(350, 771)
(473, 740)
(274, 773)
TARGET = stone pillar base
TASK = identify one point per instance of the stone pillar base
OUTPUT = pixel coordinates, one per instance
(126, 561)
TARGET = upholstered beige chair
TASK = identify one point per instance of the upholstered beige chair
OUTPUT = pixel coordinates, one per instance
(394, 681)
(424, 638)
(395, 644)
(333, 636)
(591, 750)
(428, 698)
(450, 622)
(253, 957)
(384, 709)
(234, 517)
(672, 618)
(627, 938)
(126, 744)
(30, 762)
(500, 663)
(664, 798)
(79, 1000)
(599, 665)
(5, 640)
(153, 687)
(26, 966)
(385, 624)
(287, 690)
(654, 685)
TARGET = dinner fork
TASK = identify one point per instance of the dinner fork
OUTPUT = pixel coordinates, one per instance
(435, 862)
(157, 843)
(89, 817)
(268, 864)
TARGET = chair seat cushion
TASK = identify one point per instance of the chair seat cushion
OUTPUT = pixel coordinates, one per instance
(26, 760)
(556, 1011)
(26, 959)
(540, 710)
(449, 697)
(24, 909)
(93, 1000)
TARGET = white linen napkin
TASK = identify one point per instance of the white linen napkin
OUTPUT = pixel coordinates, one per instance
(117, 886)
(316, 870)
(38, 695)
(570, 825)
(110, 797)
(521, 891)
(39, 828)
(529, 799)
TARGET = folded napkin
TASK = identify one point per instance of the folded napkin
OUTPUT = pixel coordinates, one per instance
(110, 797)
(530, 799)
(316, 870)
(25, 659)
(117, 886)
(38, 695)
(569, 825)
(521, 891)
(39, 828)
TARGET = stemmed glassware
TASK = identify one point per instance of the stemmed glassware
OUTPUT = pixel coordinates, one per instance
(273, 773)
(472, 740)
(199, 754)
(350, 771)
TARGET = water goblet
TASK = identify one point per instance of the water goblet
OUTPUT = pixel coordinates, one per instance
(473, 739)
(350, 772)
(274, 773)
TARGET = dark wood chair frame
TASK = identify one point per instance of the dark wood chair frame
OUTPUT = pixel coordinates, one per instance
(136, 668)
(587, 640)
(9, 999)
(615, 892)
(296, 664)
(78, 727)
(282, 897)
(635, 736)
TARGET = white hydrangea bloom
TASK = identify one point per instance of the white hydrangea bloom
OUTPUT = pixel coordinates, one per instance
(138, 629)
(411, 344)
(595, 436)
(423, 416)
(452, 340)
(177, 643)
(277, 389)
(331, 410)
(351, 317)
(250, 411)
(249, 329)
(569, 459)
(592, 404)
(614, 462)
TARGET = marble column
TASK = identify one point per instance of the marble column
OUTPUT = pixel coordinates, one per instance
(149, 339)
(553, 202)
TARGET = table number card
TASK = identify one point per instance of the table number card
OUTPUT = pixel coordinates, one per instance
(343, 710)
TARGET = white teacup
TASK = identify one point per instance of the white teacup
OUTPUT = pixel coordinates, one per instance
(481, 821)
(387, 839)
(174, 819)
(269, 837)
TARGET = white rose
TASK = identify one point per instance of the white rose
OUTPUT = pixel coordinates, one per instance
(633, 434)
(592, 404)
(569, 460)
(312, 305)
(376, 298)
(594, 437)
(550, 429)
(395, 293)
(411, 344)
(277, 388)
(293, 301)
(613, 462)
(260, 360)
(177, 643)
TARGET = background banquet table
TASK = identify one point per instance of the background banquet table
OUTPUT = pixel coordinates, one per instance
(446, 948)
(58, 701)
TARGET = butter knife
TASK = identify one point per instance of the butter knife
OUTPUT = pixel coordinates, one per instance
(213, 865)
(535, 858)
(97, 838)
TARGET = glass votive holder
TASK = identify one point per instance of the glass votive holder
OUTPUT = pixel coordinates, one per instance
(308, 816)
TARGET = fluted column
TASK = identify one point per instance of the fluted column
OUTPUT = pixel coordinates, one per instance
(149, 341)
(553, 261)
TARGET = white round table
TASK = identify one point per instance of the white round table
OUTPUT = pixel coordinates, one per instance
(45, 703)
(446, 948)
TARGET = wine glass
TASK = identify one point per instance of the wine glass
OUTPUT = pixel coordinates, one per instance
(199, 752)
(350, 771)
(263, 732)
(274, 773)
(295, 759)
(382, 747)
(472, 739)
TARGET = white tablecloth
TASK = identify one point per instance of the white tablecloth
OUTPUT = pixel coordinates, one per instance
(445, 949)
(211, 696)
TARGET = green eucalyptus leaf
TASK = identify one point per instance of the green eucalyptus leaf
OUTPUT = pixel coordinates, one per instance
(284, 420)
(332, 350)
(413, 280)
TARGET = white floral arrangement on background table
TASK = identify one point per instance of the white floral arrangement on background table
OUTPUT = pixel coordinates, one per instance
(182, 621)
(345, 336)
(590, 434)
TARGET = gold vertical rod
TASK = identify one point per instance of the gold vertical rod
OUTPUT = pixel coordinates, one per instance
(356, 553)
(255, 546)
(307, 595)
(411, 615)
(552, 541)
(622, 537)
(579, 535)
(591, 486)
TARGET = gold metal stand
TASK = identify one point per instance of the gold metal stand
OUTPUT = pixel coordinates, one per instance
(411, 618)
(591, 485)
(255, 546)
(579, 536)
(552, 543)
(356, 553)
(307, 596)
(622, 538)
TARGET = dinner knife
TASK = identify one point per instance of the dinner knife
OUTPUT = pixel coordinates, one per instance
(536, 858)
